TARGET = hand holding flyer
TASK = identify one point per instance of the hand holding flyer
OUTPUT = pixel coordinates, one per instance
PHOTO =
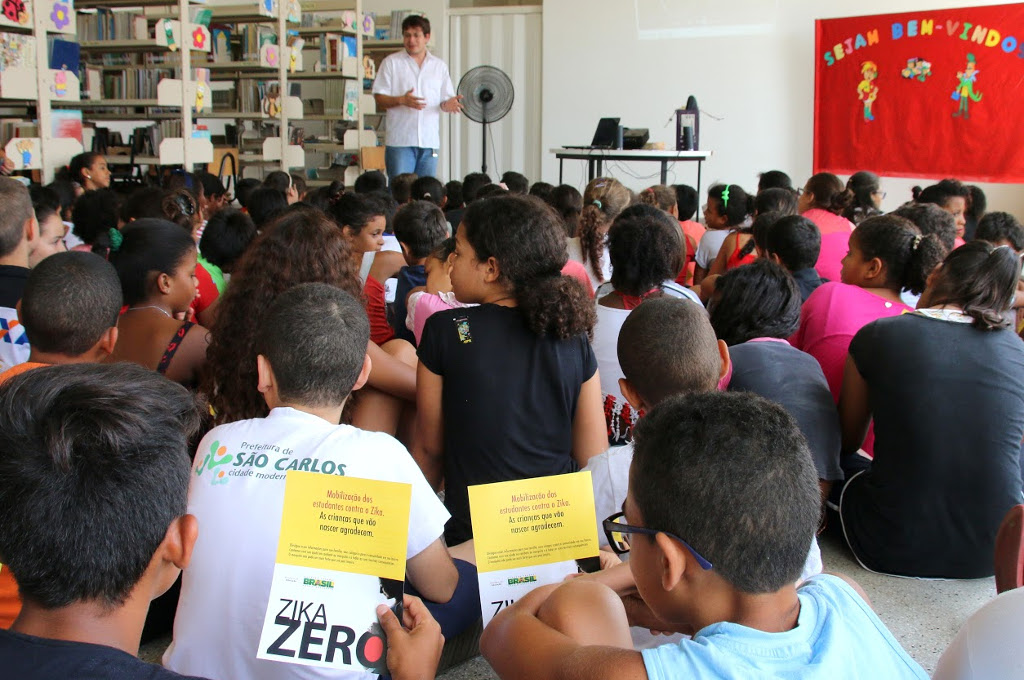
(341, 553)
(530, 533)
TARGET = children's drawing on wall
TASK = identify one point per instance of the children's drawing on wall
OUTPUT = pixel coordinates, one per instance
(964, 92)
(917, 68)
(867, 90)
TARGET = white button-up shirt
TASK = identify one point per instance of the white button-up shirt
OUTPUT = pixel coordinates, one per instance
(400, 73)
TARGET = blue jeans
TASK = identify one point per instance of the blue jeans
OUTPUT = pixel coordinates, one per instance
(417, 159)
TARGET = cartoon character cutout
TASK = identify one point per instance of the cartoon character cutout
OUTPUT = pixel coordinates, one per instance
(917, 68)
(25, 148)
(867, 90)
(964, 92)
(60, 83)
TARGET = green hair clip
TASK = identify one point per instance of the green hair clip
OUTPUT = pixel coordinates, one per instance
(116, 239)
(725, 196)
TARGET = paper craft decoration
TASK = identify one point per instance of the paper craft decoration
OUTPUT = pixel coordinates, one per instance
(60, 16)
(202, 80)
(369, 25)
(341, 552)
(269, 56)
(66, 123)
(927, 94)
(17, 49)
(530, 533)
(349, 20)
(23, 152)
(294, 12)
(16, 13)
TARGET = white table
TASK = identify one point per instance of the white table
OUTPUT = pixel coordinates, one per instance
(596, 157)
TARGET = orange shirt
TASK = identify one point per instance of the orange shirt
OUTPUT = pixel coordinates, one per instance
(10, 603)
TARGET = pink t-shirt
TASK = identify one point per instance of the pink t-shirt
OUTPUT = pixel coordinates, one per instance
(579, 272)
(830, 318)
(835, 241)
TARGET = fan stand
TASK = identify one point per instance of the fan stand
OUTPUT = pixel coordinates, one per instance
(486, 96)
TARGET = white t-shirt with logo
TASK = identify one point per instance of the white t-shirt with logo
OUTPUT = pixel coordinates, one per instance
(237, 494)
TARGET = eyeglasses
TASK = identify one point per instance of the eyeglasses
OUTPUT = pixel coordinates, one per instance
(880, 193)
(617, 531)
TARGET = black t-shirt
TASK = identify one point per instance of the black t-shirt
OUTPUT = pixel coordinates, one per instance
(782, 373)
(12, 284)
(509, 400)
(27, 657)
(948, 406)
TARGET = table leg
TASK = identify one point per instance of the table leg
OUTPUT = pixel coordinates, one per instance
(591, 167)
(699, 164)
(561, 162)
(664, 172)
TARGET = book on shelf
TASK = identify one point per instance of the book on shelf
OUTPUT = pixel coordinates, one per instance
(108, 24)
(220, 35)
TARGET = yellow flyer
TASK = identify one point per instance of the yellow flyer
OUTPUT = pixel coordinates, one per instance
(530, 533)
(341, 553)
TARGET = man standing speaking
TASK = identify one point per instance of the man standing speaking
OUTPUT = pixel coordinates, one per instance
(414, 86)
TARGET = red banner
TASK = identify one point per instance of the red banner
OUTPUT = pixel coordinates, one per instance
(928, 94)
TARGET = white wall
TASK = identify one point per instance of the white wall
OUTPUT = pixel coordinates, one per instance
(761, 86)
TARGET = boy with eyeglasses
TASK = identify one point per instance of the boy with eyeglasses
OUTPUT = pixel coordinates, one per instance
(722, 504)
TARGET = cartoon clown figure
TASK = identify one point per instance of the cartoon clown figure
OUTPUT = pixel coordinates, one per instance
(867, 91)
(964, 92)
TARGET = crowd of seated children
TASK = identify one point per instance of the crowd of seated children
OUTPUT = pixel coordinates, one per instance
(420, 228)
(156, 262)
(311, 355)
(823, 201)
(867, 196)
(945, 389)
(721, 565)
(727, 209)
(794, 242)
(521, 372)
(951, 196)
(603, 199)
(643, 246)
(69, 312)
(536, 412)
(754, 310)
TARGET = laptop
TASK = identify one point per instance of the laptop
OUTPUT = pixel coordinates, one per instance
(605, 137)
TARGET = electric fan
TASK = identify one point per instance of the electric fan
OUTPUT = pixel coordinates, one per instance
(487, 96)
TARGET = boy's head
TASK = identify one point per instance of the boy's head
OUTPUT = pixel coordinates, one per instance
(312, 351)
(930, 219)
(244, 190)
(143, 203)
(429, 189)
(516, 182)
(472, 183)
(781, 201)
(1001, 229)
(17, 219)
(70, 308)
(453, 195)
(687, 201)
(667, 347)
(371, 180)
(215, 195)
(730, 474)
(228, 233)
(96, 470)
(795, 242)
(401, 187)
(264, 204)
(757, 300)
(420, 227)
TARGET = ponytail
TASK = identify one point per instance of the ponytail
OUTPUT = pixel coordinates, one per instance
(528, 242)
(592, 228)
(841, 202)
(981, 279)
(909, 256)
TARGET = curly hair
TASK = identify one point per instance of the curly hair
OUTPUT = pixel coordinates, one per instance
(660, 196)
(603, 200)
(301, 246)
(524, 235)
(644, 246)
